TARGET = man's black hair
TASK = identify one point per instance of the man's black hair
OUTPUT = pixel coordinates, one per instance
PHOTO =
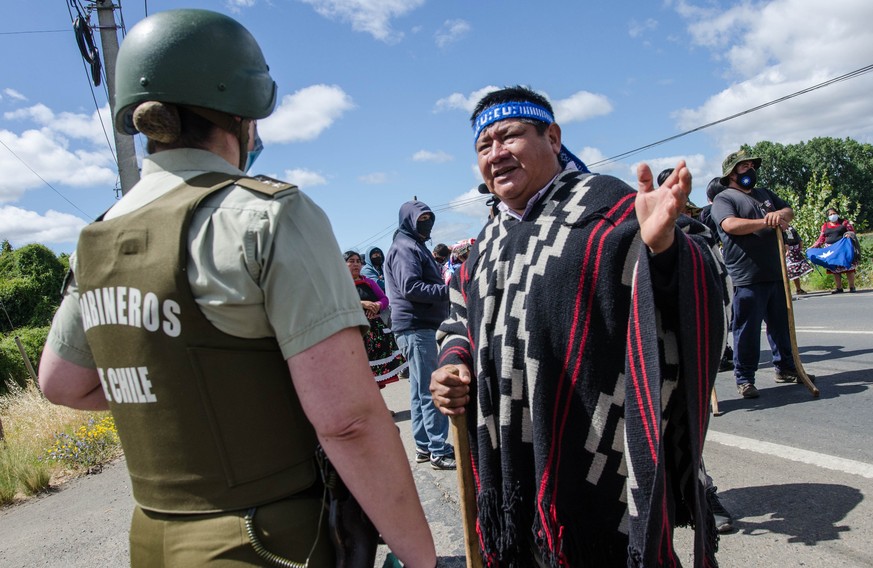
(516, 94)
(441, 250)
(714, 188)
(662, 177)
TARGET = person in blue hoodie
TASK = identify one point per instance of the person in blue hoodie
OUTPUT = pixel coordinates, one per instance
(419, 304)
(374, 266)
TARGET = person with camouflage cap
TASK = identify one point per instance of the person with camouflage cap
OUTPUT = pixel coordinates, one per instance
(187, 316)
(747, 218)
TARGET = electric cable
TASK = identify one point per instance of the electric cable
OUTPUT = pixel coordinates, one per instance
(846, 76)
(17, 157)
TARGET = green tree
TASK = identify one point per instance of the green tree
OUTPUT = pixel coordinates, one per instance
(820, 195)
(789, 169)
(30, 285)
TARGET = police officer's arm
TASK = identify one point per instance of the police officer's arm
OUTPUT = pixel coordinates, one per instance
(69, 384)
(340, 398)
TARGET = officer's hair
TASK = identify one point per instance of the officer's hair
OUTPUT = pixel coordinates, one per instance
(169, 126)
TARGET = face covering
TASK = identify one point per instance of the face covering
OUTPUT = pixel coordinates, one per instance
(833, 218)
(748, 179)
(424, 228)
(376, 259)
(255, 152)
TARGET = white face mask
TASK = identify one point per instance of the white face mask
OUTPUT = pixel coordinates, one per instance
(833, 218)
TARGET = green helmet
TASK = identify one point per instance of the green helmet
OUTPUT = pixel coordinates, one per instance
(196, 58)
(727, 167)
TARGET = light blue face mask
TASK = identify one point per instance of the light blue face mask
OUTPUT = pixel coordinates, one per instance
(254, 153)
(833, 218)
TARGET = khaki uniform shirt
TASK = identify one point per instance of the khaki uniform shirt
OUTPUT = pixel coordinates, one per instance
(257, 268)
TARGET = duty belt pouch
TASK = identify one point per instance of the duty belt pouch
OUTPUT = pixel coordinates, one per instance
(353, 535)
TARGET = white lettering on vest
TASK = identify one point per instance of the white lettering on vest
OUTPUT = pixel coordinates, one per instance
(120, 298)
(109, 305)
(104, 383)
(172, 325)
(150, 317)
(130, 307)
(134, 307)
(127, 385)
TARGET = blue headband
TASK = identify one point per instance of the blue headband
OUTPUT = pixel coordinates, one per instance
(504, 111)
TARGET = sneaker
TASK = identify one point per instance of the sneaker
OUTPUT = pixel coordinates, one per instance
(791, 377)
(421, 456)
(443, 462)
(837, 291)
(724, 522)
(747, 390)
(852, 290)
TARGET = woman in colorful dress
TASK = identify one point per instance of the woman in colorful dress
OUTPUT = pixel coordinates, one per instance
(795, 259)
(386, 362)
(834, 229)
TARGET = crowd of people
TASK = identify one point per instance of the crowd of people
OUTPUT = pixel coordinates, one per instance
(587, 422)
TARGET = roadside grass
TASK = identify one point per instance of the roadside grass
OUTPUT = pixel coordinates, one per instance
(45, 444)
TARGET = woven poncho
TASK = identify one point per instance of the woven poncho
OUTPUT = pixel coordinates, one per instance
(590, 408)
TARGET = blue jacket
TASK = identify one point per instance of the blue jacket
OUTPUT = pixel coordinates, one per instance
(419, 297)
(373, 272)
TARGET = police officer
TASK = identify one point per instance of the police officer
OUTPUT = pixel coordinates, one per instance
(223, 365)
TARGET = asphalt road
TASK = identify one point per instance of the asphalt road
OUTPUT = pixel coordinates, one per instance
(795, 470)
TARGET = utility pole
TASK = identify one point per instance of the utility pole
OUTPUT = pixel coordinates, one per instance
(125, 150)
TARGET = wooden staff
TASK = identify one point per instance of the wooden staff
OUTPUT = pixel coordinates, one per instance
(789, 304)
(713, 401)
(467, 488)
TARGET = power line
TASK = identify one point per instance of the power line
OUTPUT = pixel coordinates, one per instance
(23, 32)
(17, 157)
(849, 75)
(844, 77)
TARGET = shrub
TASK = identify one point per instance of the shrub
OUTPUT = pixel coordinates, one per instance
(82, 442)
(88, 447)
(11, 363)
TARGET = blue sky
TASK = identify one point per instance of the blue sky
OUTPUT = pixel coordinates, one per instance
(375, 97)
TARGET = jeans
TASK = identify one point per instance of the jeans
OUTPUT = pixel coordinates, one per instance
(754, 304)
(430, 428)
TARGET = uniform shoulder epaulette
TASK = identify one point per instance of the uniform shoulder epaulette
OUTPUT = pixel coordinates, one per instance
(264, 184)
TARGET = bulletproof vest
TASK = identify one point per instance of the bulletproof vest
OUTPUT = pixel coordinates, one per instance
(208, 421)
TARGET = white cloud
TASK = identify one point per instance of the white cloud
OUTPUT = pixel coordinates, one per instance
(305, 114)
(369, 16)
(470, 203)
(95, 128)
(435, 157)
(451, 31)
(580, 106)
(49, 156)
(788, 45)
(374, 178)
(458, 101)
(575, 108)
(13, 94)
(22, 227)
(637, 28)
(237, 5)
(304, 178)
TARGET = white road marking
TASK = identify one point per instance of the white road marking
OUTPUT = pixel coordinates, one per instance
(836, 331)
(794, 454)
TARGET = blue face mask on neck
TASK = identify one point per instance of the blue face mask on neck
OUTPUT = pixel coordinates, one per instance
(254, 153)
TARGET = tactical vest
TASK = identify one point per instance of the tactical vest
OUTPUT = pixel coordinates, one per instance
(208, 421)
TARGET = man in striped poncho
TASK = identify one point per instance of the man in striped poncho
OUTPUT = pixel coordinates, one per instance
(584, 335)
